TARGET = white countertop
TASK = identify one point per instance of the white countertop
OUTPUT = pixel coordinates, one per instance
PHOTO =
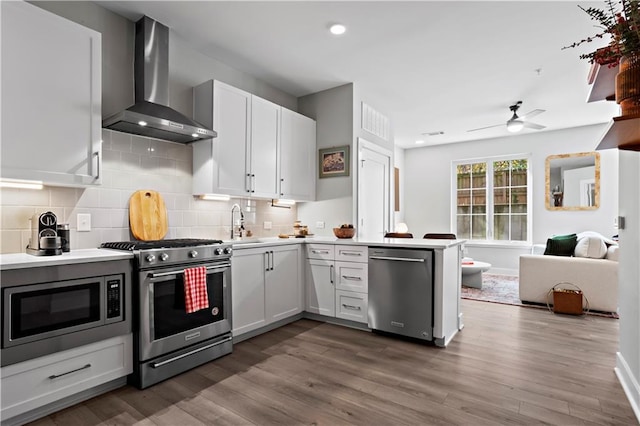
(381, 242)
(24, 260)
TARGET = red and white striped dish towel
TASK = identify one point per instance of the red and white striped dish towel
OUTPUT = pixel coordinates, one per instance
(195, 289)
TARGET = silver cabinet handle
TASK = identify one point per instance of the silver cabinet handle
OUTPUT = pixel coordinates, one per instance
(347, 277)
(55, 376)
(320, 251)
(399, 259)
(357, 308)
(253, 183)
(248, 182)
(266, 253)
(271, 260)
(351, 253)
(195, 351)
(97, 154)
(331, 273)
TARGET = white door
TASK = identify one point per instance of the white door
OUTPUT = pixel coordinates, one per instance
(265, 137)
(373, 190)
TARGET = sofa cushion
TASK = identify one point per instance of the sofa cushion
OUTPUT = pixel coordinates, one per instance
(561, 245)
(590, 246)
(612, 253)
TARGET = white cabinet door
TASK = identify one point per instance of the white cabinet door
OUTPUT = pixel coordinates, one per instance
(320, 288)
(248, 268)
(51, 97)
(283, 283)
(220, 165)
(265, 138)
(297, 157)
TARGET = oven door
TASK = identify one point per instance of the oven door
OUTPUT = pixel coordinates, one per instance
(41, 311)
(165, 326)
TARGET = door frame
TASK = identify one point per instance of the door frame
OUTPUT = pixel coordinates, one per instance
(362, 145)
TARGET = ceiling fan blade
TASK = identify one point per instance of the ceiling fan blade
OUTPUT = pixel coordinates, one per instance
(532, 114)
(535, 126)
(488, 127)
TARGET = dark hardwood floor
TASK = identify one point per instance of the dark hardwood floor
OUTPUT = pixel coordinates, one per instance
(510, 365)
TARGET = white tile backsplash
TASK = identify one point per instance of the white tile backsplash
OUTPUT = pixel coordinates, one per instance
(131, 163)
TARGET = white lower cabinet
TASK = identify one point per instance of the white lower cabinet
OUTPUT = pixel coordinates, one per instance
(337, 281)
(320, 289)
(351, 305)
(266, 286)
(34, 383)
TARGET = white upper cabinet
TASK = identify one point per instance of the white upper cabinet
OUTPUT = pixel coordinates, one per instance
(220, 164)
(262, 150)
(265, 140)
(297, 159)
(51, 97)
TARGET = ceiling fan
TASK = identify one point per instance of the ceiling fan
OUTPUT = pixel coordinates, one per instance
(515, 123)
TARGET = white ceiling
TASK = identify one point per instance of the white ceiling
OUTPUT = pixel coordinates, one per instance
(430, 66)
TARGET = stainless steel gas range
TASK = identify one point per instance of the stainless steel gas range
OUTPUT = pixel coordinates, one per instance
(167, 339)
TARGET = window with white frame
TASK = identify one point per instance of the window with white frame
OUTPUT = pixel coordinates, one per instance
(492, 199)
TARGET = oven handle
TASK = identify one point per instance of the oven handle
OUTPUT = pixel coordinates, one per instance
(175, 358)
(209, 268)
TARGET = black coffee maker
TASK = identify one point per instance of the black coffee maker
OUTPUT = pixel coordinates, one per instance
(44, 239)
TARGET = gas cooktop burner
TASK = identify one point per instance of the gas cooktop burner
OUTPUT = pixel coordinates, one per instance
(145, 245)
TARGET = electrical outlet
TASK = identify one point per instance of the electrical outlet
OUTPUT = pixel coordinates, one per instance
(84, 222)
(319, 225)
(267, 225)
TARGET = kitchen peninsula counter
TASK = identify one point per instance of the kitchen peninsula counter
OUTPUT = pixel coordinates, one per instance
(416, 243)
(447, 315)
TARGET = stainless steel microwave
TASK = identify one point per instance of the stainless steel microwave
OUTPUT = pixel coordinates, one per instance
(47, 317)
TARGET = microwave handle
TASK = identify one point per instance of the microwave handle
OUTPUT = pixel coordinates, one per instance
(209, 268)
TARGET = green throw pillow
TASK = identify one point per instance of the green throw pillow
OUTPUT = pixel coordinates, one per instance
(561, 245)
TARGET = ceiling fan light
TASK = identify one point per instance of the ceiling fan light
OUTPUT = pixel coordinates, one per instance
(515, 126)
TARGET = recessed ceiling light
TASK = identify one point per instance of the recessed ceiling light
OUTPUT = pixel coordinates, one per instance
(337, 29)
(419, 142)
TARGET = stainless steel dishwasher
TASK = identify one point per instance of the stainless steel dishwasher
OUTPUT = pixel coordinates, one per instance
(401, 291)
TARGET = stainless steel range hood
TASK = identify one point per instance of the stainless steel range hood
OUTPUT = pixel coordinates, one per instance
(150, 115)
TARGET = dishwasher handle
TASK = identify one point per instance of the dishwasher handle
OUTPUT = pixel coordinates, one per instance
(399, 259)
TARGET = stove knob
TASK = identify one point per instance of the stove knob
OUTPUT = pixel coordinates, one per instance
(193, 253)
(227, 250)
(218, 251)
(150, 258)
(164, 256)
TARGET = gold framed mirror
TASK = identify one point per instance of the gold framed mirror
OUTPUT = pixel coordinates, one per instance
(572, 181)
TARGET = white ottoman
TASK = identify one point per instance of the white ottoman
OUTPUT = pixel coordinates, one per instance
(472, 272)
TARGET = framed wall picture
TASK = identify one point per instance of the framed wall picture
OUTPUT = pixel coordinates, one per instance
(334, 161)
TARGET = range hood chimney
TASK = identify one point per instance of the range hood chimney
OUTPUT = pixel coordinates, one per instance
(150, 115)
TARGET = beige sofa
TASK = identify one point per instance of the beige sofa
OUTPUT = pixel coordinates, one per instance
(597, 278)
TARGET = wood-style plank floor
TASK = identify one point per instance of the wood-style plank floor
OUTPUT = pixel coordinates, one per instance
(510, 365)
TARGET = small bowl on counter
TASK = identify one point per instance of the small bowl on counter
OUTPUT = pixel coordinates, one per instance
(344, 232)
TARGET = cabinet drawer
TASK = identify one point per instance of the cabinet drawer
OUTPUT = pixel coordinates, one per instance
(351, 306)
(320, 251)
(40, 381)
(352, 253)
(352, 276)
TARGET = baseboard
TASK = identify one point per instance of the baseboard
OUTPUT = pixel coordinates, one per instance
(262, 330)
(629, 383)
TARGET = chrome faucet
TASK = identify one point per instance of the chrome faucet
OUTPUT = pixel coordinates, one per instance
(235, 234)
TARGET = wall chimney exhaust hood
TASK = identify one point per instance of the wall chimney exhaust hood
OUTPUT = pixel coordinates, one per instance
(150, 115)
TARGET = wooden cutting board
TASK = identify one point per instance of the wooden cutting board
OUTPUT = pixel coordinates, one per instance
(147, 215)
